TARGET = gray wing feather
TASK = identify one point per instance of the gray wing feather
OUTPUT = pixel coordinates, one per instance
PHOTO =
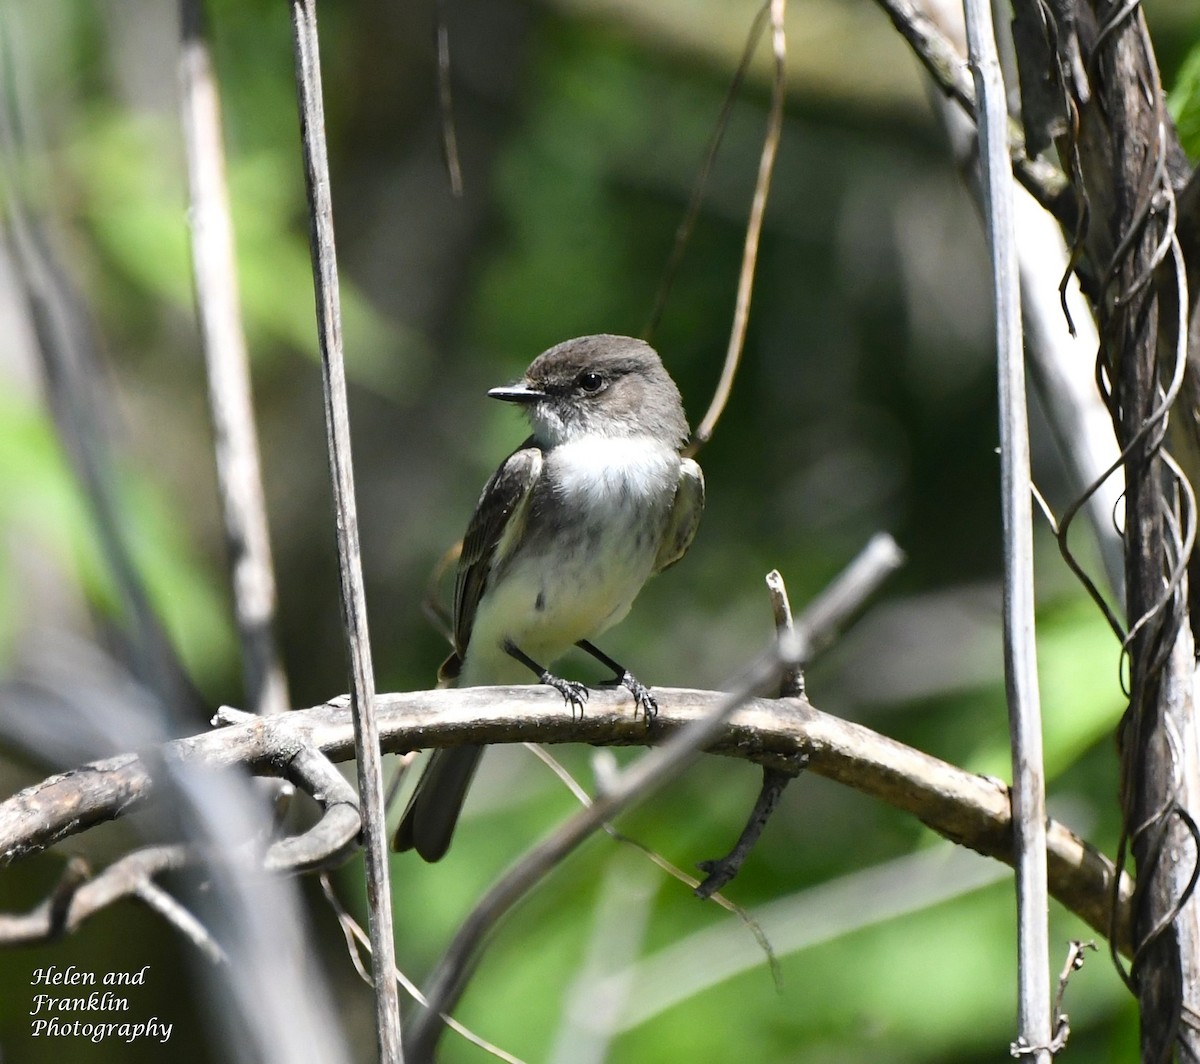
(432, 813)
(498, 515)
(684, 518)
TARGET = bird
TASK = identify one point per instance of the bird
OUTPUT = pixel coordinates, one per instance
(567, 530)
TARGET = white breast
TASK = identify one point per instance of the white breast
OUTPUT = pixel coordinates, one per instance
(612, 497)
(604, 469)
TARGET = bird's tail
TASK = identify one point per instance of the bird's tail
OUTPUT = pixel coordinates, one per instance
(429, 821)
(432, 813)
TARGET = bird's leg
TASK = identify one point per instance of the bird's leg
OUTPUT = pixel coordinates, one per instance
(574, 693)
(624, 678)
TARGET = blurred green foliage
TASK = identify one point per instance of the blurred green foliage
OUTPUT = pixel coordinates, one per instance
(865, 401)
(1184, 103)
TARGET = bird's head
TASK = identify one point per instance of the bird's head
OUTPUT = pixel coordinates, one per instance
(599, 385)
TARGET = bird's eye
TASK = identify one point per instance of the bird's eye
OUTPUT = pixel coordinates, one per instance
(590, 381)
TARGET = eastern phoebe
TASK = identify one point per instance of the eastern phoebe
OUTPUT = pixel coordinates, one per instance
(564, 536)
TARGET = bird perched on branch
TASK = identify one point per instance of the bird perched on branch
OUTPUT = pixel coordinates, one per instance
(565, 534)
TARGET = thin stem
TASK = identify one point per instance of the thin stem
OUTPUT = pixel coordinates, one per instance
(239, 473)
(758, 207)
(354, 609)
(1020, 653)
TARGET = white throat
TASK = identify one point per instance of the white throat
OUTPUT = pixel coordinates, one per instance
(601, 467)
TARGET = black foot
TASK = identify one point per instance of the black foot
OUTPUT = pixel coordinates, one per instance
(641, 695)
(642, 698)
(574, 693)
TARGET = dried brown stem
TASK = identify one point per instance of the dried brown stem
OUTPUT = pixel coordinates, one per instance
(218, 310)
(969, 809)
(758, 206)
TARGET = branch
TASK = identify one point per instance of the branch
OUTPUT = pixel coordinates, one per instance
(79, 895)
(633, 785)
(1020, 650)
(235, 440)
(333, 838)
(945, 64)
(1125, 161)
(815, 628)
(964, 807)
(353, 596)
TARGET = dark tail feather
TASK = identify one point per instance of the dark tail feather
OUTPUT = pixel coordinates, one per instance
(428, 823)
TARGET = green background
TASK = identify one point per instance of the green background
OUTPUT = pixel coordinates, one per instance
(865, 402)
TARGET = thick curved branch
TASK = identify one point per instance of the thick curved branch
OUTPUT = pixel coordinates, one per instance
(966, 808)
(333, 838)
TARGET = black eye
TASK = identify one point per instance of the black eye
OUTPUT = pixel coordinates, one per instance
(590, 381)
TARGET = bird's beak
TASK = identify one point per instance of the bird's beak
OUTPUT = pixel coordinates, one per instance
(517, 393)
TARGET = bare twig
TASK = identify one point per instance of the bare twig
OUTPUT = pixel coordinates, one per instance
(354, 609)
(154, 897)
(1020, 652)
(446, 101)
(634, 784)
(79, 895)
(823, 617)
(684, 232)
(833, 607)
(356, 937)
(50, 919)
(720, 871)
(1076, 955)
(758, 206)
(214, 270)
(792, 681)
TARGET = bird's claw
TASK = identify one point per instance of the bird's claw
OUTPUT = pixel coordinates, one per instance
(574, 693)
(641, 695)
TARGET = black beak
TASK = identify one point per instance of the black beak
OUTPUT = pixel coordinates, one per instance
(517, 393)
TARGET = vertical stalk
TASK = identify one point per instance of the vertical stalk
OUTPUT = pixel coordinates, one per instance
(354, 609)
(1020, 654)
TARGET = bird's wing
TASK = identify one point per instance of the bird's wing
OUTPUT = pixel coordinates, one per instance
(685, 516)
(495, 525)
